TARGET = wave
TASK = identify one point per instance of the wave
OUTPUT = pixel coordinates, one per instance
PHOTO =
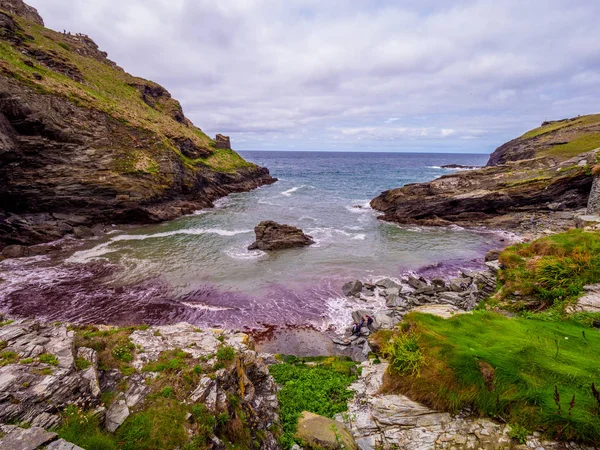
(359, 206)
(360, 237)
(102, 249)
(243, 254)
(289, 192)
(206, 307)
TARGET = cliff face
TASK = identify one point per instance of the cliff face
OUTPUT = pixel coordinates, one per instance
(545, 173)
(83, 142)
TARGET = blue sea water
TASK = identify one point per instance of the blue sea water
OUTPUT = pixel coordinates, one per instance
(197, 268)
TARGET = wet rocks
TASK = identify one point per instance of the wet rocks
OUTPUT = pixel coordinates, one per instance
(274, 236)
(352, 288)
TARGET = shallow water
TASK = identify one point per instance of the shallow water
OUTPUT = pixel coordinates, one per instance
(197, 268)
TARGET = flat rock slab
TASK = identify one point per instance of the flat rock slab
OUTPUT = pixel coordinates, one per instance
(61, 444)
(26, 439)
(444, 311)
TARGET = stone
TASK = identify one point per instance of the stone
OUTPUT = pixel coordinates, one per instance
(222, 142)
(439, 282)
(26, 439)
(352, 288)
(444, 311)
(321, 432)
(116, 415)
(61, 444)
(82, 232)
(273, 236)
(386, 283)
(415, 283)
(385, 320)
(15, 251)
(589, 301)
(492, 255)
(593, 206)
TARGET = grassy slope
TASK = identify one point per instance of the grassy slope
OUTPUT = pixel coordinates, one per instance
(549, 272)
(107, 89)
(510, 369)
(579, 141)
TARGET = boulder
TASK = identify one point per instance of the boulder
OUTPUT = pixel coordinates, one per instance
(352, 288)
(116, 415)
(416, 283)
(15, 251)
(321, 432)
(492, 255)
(386, 283)
(24, 439)
(61, 444)
(274, 236)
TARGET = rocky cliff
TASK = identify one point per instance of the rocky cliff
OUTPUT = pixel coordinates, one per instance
(544, 174)
(82, 142)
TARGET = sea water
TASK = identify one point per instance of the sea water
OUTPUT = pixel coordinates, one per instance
(197, 268)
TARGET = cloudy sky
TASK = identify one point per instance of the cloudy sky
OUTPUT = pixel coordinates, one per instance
(380, 75)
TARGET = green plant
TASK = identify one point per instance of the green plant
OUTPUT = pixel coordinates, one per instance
(123, 351)
(225, 354)
(321, 388)
(518, 433)
(404, 354)
(82, 363)
(7, 358)
(167, 391)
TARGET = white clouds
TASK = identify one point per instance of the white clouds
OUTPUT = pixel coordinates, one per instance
(348, 73)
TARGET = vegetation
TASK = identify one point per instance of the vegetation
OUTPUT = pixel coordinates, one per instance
(317, 385)
(531, 373)
(580, 144)
(551, 271)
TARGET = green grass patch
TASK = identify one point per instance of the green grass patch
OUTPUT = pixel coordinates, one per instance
(535, 374)
(8, 357)
(48, 358)
(171, 360)
(550, 270)
(318, 385)
(115, 349)
(576, 146)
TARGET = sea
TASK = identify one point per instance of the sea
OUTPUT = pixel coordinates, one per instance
(198, 269)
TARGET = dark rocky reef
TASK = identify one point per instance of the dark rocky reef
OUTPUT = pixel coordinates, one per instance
(537, 180)
(273, 236)
(84, 143)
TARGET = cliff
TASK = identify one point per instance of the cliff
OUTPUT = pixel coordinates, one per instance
(83, 142)
(536, 180)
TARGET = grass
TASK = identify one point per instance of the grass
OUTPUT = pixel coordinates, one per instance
(320, 388)
(574, 147)
(583, 120)
(48, 358)
(550, 271)
(515, 369)
(114, 348)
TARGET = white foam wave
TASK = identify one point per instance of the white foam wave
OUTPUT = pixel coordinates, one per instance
(359, 207)
(205, 307)
(103, 249)
(360, 237)
(289, 192)
(433, 167)
(243, 254)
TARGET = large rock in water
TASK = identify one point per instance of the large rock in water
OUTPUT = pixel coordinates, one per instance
(274, 236)
(321, 432)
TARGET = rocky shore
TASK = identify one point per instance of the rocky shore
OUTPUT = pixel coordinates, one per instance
(540, 181)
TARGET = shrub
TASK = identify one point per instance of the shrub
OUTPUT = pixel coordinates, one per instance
(405, 355)
(518, 433)
(225, 354)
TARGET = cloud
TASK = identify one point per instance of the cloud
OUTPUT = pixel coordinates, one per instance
(382, 75)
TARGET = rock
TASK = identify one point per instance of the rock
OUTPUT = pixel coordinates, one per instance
(444, 311)
(116, 415)
(589, 301)
(61, 444)
(386, 283)
(593, 206)
(492, 255)
(439, 282)
(82, 232)
(394, 300)
(352, 288)
(273, 236)
(222, 142)
(385, 320)
(15, 251)
(415, 283)
(26, 439)
(321, 432)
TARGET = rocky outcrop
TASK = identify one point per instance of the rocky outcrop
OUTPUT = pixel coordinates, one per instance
(222, 142)
(593, 206)
(388, 421)
(71, 158)
(273, 236)
(39, 377)
(517, 195)
(19, 8)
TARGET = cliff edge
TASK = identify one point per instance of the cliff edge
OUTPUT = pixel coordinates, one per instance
(536, 180)
(83, 142)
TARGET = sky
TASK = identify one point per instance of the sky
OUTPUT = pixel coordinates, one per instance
(355, 75)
